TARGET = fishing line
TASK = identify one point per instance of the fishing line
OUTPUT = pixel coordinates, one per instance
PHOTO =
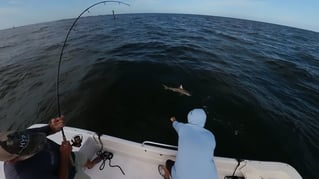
(105, 155)
(62, 50)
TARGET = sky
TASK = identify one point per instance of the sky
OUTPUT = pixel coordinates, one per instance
(302, 14)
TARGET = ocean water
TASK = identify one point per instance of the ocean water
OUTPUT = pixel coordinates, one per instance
(258, 82)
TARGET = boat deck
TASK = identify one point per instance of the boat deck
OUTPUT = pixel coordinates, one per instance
(140, 161)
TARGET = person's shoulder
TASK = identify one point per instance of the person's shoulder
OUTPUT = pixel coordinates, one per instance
(208, 132)
(21, 170)
(10, 171)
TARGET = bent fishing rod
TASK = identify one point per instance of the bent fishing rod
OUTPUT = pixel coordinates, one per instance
(62, 50)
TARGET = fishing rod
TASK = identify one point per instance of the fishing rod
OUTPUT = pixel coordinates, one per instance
(62, 50)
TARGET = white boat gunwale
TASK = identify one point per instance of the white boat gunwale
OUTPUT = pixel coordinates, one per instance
(140, 160)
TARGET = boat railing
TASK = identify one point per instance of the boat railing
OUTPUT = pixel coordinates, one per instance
(156, 144)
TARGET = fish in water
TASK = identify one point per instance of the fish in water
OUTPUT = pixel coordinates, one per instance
(179, 90)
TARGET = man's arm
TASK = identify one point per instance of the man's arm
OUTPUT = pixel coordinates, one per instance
(175, 123)
(65, 154)
(54, 126)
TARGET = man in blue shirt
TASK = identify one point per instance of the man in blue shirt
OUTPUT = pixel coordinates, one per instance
(196, 145)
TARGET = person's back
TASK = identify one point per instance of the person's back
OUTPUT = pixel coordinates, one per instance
(29, 154)
(196, 147)
(195, 154)
(44, 164)
(44, 155)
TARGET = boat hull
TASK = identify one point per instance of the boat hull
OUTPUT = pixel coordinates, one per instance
(139, 161)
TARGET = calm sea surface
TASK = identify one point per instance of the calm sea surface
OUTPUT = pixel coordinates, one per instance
(258, 82)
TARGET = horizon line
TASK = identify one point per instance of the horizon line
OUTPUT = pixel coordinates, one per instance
(230, 17)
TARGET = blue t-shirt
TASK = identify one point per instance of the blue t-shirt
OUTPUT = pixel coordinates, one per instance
(43, 165)
(195, 153)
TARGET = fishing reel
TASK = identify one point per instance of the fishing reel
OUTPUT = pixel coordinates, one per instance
(77, 141)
